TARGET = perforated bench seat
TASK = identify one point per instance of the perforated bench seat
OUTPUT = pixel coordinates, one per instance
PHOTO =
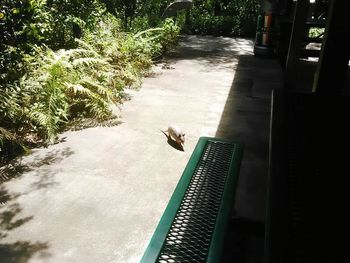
(193, 226)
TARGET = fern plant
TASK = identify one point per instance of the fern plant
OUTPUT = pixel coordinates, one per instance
(69, 83)
(11, 122)
(7, 139)
(5, 135)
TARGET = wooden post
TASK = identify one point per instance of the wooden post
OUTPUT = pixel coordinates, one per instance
(335, 53)
(296, 41)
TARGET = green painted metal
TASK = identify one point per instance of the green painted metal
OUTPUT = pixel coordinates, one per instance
(216, 244)
(222, 221)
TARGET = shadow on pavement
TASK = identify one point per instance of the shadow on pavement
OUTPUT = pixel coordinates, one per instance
(11, 213)
(18, 167)
(10, 219)
(246, 119)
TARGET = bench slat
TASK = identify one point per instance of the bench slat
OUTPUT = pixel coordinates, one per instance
(194, 223)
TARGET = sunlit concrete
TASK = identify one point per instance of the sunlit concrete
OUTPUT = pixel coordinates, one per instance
(98, 195)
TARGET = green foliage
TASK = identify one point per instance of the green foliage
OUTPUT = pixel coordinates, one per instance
(44, 88)
(222, 17)
(53, 22)
(148, 10)
(5, 136)
(9, 145)
(158, 40)
(316, 32)
(12, 121)
(14, 16)
(69, 19)
(129, 58)
(67, 84)
(201, 22)
(25, 23)
(65, 60)
(16, 20)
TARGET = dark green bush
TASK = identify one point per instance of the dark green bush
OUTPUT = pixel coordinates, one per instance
(223, 17)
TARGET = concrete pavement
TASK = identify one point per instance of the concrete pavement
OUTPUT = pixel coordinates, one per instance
(98, 195)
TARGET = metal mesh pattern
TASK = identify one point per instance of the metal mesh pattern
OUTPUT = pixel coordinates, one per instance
(190, 234)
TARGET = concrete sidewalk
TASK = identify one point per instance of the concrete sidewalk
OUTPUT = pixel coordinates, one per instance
(98, 195)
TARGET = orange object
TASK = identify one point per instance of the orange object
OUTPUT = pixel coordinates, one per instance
(267, 20)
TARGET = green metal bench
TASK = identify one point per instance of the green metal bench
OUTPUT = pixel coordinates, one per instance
(193, 226)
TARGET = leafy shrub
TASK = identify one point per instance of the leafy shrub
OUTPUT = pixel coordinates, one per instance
(17, 30)
(222, 17)
(128, 57)
(130, 12)
(158, 40)
(204, 23)
(10, 146)
(66, 84)
(316, 32)
(68, 60)
(81, 82)
(25, 23)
